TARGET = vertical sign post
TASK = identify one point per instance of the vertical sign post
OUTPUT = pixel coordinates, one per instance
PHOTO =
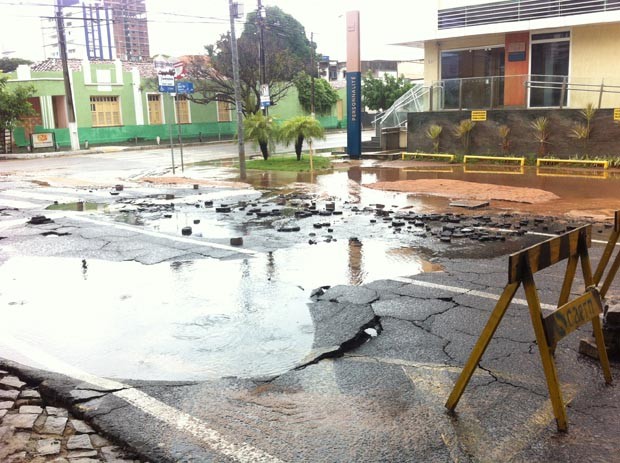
(354, 86)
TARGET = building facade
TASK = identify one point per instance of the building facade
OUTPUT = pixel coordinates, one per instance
(521, 53)
(119, 102)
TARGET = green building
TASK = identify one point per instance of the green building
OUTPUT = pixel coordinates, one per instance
(119, 102)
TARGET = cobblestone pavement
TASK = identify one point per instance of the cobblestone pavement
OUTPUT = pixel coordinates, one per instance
(33, 431)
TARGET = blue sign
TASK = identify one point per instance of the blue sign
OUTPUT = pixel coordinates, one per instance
(354, 114)
(185, 87)
(166, 89)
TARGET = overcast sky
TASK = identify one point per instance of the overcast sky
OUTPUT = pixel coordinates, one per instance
(185, 26)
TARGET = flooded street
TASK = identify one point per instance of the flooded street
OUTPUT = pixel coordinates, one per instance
(194, 317)
(297, 308)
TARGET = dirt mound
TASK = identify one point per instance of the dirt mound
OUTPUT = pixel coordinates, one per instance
(467, 190)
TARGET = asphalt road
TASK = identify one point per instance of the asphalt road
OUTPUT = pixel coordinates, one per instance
(358, 397)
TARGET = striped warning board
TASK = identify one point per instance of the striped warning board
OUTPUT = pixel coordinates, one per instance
(479, 116)
(570, 315)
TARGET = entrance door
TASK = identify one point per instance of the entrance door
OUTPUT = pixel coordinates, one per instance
(550, 56)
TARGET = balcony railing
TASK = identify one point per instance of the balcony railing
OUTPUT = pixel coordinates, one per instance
(525, 91)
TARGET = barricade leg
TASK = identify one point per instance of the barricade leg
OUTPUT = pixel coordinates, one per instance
(481, 345)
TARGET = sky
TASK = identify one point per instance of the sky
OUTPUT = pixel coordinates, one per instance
(185, 26)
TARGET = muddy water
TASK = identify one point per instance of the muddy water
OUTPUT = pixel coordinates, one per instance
(587, 190)
(184, 320)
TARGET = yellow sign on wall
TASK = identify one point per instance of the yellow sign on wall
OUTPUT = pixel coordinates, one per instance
(479, 116)
(617, 114)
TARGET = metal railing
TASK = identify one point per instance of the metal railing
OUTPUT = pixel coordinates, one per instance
(519, 10)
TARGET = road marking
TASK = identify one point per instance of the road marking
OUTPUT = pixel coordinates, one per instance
(18, 204)
(51, 197)
(164, 235)
(182, 421)
(471, 292)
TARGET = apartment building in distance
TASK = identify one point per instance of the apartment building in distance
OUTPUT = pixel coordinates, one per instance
(100, 30)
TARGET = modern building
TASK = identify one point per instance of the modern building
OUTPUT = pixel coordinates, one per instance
(520, 53)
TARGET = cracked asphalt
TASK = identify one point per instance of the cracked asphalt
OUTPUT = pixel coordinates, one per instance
(384, 357)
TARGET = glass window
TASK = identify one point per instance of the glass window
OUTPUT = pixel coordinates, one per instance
(465, 75)
(549, 71)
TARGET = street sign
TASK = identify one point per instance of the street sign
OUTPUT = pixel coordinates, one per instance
(572, 315)
(185, 87)
(166, 83)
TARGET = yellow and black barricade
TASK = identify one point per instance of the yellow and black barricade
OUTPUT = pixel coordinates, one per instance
(569, 315)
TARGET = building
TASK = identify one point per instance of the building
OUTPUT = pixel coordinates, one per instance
(520, 53)
(131, 34)
(119, 102)
(100, 30)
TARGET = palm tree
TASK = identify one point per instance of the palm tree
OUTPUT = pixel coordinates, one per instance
(299, 129)
(261, 129)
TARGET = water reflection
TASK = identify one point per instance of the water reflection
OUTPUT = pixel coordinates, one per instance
(185, 320)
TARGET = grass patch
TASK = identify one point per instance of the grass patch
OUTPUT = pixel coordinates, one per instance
(289, 163)
(72, 207)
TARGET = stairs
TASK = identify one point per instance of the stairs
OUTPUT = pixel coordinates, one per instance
(371, 146)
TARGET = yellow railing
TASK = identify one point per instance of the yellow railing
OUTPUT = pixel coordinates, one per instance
(604, 164)
(520, 160)
(449, 157)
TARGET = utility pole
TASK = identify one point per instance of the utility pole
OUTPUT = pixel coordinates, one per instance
(232, 7)
(261, 50)
(312, 74)
(62, 47)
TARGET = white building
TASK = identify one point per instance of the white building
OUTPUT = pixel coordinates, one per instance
(88, 31)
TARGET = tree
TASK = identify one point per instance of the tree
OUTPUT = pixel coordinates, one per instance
(10, 64)
(14, 104)
(261, 129)
(380, 94)
(287, 51)
(299, 129)
(325, 97)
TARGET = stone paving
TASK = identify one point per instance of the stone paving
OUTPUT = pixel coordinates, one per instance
(33, 431)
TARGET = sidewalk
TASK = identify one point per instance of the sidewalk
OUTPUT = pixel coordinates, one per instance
(33, 431)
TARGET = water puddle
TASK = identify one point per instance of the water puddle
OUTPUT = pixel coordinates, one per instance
(186, 320)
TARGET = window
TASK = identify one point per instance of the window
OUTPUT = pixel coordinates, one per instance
(224, 110)
(466, 77)
(549, 69)
(154, 105)
(182, 104)
(105, 111)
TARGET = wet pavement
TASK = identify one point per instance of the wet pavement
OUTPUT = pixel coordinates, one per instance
(260, 362)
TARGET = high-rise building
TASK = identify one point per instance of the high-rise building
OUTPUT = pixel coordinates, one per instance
(100, 30)
(131, 35)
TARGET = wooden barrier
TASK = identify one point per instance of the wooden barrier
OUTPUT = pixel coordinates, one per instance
(605, 258)
(449, 157)
(604, 164)
(572, 246)
(520, 160)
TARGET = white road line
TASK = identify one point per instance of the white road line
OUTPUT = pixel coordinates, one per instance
(182, 421)
(472, 292)
(164, 235)
(49, 197)
(18, 204)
